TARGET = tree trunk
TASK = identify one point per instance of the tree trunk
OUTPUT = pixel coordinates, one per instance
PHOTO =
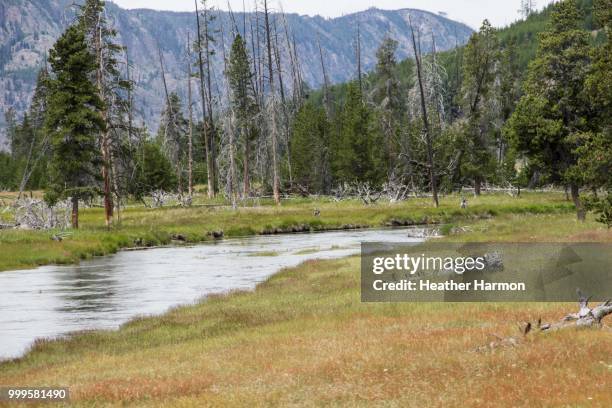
(209, 164)
(477, 186)
(428, 135)
(247, 184)
(213, 132)
(75, 213)
(358, 52)
(273, 130)
(580, 211)
(190, 135)
(104, 144)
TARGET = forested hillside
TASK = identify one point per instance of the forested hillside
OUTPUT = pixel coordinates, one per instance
(28, 29)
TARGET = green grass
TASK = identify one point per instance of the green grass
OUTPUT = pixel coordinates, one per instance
(303, 338)
(141, 226)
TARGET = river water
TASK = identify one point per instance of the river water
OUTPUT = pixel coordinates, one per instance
(105, 292)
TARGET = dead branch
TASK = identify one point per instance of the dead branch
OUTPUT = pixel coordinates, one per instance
(368, 194)
(395, 191)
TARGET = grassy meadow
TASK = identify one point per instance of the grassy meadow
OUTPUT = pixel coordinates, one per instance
(303, 338)
(145, 227)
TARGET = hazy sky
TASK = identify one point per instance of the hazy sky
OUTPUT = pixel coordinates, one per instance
(471, 12)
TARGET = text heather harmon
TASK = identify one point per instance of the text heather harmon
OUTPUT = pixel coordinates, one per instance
(451, 285)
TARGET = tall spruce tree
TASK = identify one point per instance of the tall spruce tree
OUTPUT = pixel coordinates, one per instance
(112, 90)
(553, 113)
(73, 121)
(595, 155)
(310, 149)
(387, 97)
(480, 58)
(242, 99)
(357, 149)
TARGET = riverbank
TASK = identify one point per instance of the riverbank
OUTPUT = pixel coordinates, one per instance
(145, 227)
(304, 338)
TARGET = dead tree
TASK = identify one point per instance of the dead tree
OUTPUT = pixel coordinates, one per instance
(273, 130)
(368, 194)
(358, 55)
(326, 94)
(295, 64)
(104, 135)
(207, 50)
(286, 124)
(209, 159)
(428, 135)
(229, 130)
(190, 134)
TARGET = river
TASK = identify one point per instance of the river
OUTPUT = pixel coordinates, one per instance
(105, 292)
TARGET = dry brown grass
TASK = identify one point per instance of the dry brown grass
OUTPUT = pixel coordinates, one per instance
(305, 339)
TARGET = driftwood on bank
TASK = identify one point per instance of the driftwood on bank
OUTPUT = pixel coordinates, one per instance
(586, 317)
(37, 214)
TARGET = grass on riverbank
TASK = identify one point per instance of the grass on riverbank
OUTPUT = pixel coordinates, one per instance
(303, 338)
(150, 227)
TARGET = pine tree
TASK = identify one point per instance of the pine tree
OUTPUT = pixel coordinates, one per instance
(480, 58)
(73, 121)
(242, 101)
(310, 149)
(112, 90)
(595, 155)
(553, 113)
(387, 97)
(357, 150)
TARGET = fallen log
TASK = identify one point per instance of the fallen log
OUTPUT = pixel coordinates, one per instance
(586, 317)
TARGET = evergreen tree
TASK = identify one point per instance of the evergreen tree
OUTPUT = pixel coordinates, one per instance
(357, 149)
(595, 155)
(154, 172)
(310, 149)
(112, 90)
(73, 121)
(388, 99)
(480, 58)
(242, 101)
(553, 112)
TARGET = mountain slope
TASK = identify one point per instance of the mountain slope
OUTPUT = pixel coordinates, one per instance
(28, 29)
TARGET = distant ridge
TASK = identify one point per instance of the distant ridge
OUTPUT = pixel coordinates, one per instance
(28, 28)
